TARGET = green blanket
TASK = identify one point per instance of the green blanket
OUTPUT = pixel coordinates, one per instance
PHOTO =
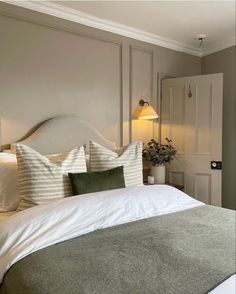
(185, 252)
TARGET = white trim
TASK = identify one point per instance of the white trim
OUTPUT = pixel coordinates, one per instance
(215, 47)
(73, 15)
(92, 21)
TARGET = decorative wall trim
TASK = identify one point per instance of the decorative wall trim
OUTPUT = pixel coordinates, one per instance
(74, 15)
(70, 14)
(173, 173)
(215, 47)
(148, 51)
(88, 36)
(130, 90)
(121, 97)
(151, 53)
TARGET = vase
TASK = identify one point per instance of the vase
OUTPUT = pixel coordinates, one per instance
(159, 173)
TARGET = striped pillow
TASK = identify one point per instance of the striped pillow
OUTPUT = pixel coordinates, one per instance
(129, 156)
(42, 180)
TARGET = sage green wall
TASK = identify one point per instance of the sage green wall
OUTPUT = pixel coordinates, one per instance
(224, 61)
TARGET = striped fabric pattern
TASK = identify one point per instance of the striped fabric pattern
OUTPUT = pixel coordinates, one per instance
(45, 179)
(130, 157)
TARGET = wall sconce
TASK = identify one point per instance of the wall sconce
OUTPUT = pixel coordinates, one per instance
(147, 112)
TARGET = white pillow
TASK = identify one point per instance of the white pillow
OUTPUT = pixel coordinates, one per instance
(130, 157)
(42, 179)
(9, 191)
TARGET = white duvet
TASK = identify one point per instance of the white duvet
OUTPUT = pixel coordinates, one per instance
(41, 226)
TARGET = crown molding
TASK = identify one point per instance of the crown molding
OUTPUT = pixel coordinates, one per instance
(218, 46)
(105, 25)
(83, 18)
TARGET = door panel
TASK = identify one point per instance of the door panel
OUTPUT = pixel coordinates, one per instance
(203, 114)
(202, 183)
(177, 117)
(192, 118)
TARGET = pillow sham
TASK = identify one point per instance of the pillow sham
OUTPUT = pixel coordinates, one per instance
(9, 191)
(42, 180)
(83, 183)
(130, 157)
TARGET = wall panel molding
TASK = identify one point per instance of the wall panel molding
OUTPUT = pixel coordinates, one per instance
(77, 33)
(81, 17)
(55, 25)
(177, 177)
(135, 97)
(122, 54)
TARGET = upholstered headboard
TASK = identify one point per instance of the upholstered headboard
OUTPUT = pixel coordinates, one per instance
(63, 133)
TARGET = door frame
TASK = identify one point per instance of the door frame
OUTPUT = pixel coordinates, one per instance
(160, 77)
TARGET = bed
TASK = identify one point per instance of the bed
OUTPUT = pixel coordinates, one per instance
(138, 239)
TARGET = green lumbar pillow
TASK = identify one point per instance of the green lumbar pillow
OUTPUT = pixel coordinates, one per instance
(83, 183)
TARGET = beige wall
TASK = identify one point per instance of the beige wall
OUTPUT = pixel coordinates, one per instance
(224, 61)
(51, 66)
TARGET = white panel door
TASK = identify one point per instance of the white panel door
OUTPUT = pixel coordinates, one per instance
(191, 116)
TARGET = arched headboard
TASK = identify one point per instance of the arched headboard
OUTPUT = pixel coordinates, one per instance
(63, 133)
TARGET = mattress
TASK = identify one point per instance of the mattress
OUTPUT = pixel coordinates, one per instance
(84, 214)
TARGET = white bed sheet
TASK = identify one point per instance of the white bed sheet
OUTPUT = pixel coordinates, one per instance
(82, 214)
(227, 287)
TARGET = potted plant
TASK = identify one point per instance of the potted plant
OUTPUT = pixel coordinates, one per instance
(159, 155)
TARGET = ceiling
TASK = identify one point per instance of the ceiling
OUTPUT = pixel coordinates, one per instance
(172, 24)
